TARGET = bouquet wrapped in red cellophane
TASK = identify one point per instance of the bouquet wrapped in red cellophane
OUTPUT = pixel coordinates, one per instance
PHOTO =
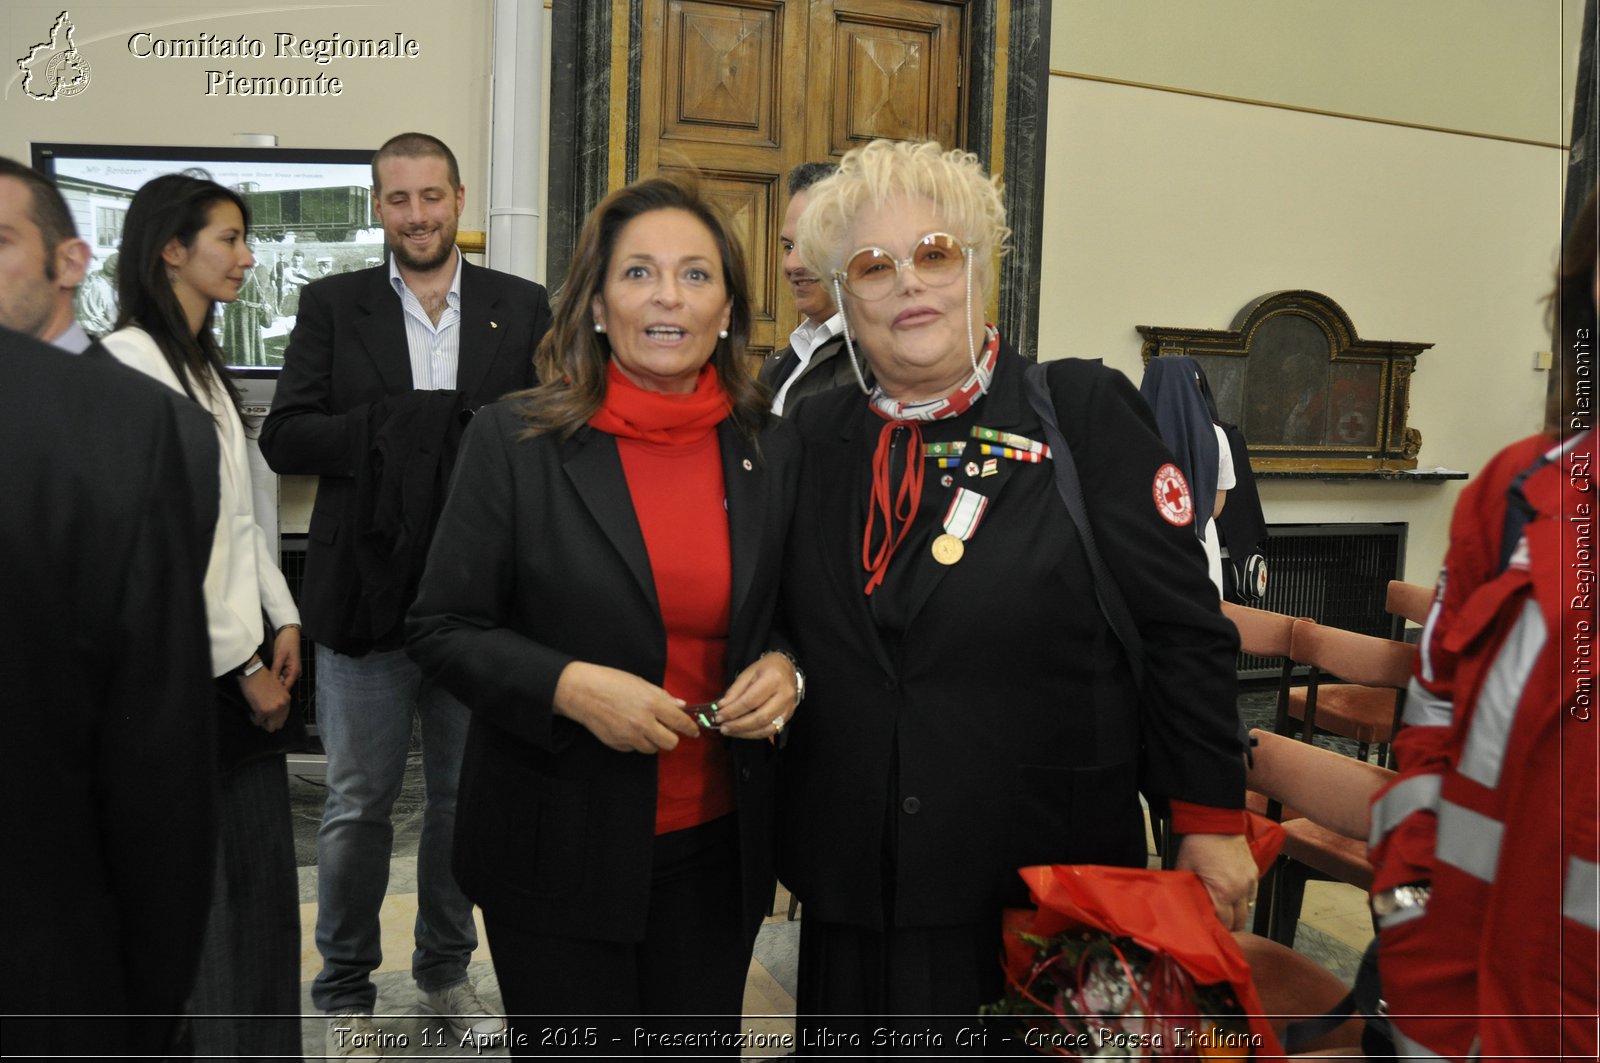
(1125, 963)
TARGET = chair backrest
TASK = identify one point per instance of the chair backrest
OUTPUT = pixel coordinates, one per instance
(1409, 600)
(1328, 788)
(1356, 658)
(1262, 632)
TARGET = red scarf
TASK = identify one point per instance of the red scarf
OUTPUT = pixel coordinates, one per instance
(631, 412)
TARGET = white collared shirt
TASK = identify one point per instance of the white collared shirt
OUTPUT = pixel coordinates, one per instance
(73, 340)
(804, 340)
(435, 349)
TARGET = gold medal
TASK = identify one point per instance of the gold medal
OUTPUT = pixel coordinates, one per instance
(947, 549)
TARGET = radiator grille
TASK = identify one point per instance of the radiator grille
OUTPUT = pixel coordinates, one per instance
(1336, 574)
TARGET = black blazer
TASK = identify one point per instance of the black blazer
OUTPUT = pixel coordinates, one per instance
(109, 761)
(538, 561)
(1002, 727)
(829, 368)
(348, 351)
(199, 441)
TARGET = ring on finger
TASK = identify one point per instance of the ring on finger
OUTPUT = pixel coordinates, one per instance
(777, 723)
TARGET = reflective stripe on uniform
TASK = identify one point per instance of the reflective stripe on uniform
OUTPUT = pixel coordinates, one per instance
(1425, 640)
(1483, 753)
(1580, 894)
(1468, 840)
(1424, 709)
(1420, 793)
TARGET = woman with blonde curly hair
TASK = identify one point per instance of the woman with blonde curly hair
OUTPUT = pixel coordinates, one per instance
(971, 711)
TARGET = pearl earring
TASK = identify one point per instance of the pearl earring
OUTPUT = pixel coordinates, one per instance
(723, 334)
(598, 327)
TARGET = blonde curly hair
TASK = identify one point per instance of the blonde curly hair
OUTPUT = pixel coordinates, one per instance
(953, 181)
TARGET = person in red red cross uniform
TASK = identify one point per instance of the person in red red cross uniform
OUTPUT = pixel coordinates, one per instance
(1485, 847)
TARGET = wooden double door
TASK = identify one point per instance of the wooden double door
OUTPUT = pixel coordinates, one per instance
(744, 90)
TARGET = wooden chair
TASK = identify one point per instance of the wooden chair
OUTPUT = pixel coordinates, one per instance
(1263, 633)
(1334, 794)
(1366, 707)
(1410, 601)
(1293, 986)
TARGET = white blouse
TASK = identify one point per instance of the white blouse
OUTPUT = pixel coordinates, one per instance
(1227, 480)
(242, 578)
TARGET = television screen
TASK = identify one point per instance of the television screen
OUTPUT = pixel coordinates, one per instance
(310, 215)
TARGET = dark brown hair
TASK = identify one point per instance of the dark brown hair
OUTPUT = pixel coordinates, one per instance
(46, 209)
(572, 357)
(415, 146)
(174, 206)
(1572, 312)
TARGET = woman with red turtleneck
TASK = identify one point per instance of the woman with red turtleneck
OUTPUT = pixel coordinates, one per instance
(600, 595)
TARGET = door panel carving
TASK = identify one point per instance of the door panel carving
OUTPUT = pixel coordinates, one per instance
(894, 71)
(741, 91)
(721, 81)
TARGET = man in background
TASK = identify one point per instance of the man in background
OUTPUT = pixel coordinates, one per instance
(109, 764)
(383, 369)
(42, 262)
(815, 358)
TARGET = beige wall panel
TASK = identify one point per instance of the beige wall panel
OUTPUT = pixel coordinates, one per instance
(1488, 66)
(131, 100)
(1163, 209)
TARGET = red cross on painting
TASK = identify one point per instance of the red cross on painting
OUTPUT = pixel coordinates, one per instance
(1171, 493)
(1353, 426)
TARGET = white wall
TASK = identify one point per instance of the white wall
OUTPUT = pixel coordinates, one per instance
(1171, 209)
(1485, 66)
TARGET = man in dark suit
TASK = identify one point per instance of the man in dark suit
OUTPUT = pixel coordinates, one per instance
(383, 368)
(109, 754)
(42, 262)
(816, 359)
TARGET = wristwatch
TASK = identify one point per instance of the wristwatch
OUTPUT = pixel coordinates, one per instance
(250, 667)
(799, 675)
(1413, 895)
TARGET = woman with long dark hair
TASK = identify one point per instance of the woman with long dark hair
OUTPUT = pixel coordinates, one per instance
(600, 595)
(184, 249)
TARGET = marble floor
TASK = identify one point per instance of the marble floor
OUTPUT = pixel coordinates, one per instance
(1334, 929)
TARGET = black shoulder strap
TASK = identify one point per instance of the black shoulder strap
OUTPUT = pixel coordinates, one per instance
(1519, 511)
(1106, 593)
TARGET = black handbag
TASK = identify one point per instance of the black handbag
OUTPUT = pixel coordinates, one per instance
(1365, 998)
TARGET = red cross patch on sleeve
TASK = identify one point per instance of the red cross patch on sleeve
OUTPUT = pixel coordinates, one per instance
(1171, 493)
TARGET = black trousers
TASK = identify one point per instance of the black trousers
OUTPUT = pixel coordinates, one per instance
(680, 991)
